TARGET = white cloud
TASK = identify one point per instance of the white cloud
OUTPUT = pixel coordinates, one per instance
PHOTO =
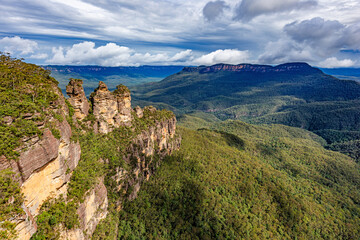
(230, 56)
(39, 56)
(313, 41)
(333, 62)
(158, 27)
(17, 45)
(86, 53)
(182, 56)
(325, 36)
(111, 54)
(285, 50)
(249, 9)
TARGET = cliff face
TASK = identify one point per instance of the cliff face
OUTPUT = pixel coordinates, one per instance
(145, 153)
(90, 212)
(77, 98)
(46, 163)
(111, 110)
(287, 68)
(44, 166)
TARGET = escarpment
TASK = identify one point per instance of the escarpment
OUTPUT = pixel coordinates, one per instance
(77, 162)
(43, 162)
(254, 68)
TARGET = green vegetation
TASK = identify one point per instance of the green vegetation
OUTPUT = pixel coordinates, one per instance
(109, 147)
(10, 203)
(108, 227)
(230, 180)
(351, 148)
(53, 213)
(26, 90)
(120, 89)
(268, 182)
(101, 155)
(306, 99)
(95, 149)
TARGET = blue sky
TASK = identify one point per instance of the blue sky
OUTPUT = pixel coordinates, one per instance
(324, 33)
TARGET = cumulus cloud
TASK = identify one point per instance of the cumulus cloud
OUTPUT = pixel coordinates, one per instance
(333, 62)
(326, 36)
(212, 10)
(182, 56)
(313, 41)
(230, 56)
(86, 53)
(249, 9)
(17, 45)
(111, 54)
(285, 50)
(39, 56)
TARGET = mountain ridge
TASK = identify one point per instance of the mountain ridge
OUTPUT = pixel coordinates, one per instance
(245, 67)
(293, 94)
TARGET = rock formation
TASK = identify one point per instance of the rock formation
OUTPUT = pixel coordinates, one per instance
(46, 162)
(44, 168)
(77, 98)
(145, 151)
(111, 110)
(90, 212)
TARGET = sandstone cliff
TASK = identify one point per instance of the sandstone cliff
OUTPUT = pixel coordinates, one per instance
(46, 162)
(44, 165)
(77, 98)
(148, 136)
(111, 109)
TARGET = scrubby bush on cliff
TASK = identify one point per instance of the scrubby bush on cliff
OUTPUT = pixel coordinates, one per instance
(26, 90)
(53, 213)
(10, 203)
(268, 182)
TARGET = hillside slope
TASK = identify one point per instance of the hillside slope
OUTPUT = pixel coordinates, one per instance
(251, 182)
(293, 94)
(221, 86)
(66, 164)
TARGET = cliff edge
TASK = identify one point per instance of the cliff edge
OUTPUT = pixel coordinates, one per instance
(72, 163)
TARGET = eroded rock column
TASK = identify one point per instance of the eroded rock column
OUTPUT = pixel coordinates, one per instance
(77, 98)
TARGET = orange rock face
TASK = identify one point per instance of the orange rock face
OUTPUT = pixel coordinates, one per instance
(77, 98)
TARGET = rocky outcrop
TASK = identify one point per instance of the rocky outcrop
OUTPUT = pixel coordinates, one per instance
(111, 110)
(77, 98)
(44, 165)
(46, 162)
(144, 155)
(148, 150)
(45, 171)
(90, 212)
(139, 112)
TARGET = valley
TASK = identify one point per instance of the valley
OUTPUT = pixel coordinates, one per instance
(293, 94)
(249, 155)
(180, 120)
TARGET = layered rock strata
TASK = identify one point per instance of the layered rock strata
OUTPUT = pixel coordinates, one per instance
(77, 98)
(44, 166)
(111, 109)
(46, 163)
(91, 211)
